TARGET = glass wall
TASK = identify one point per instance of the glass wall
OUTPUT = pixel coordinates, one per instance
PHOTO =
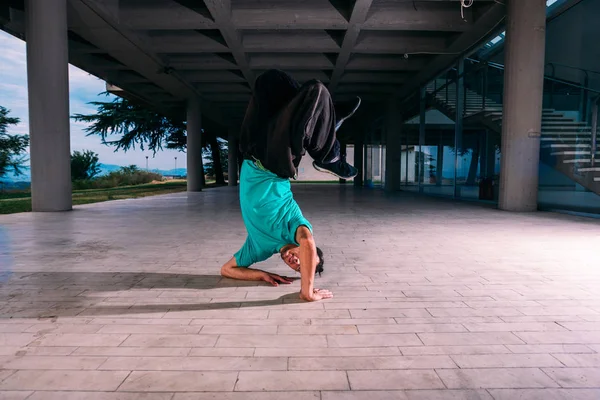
(375, 165)
(451, 131)
(569, 171)
(437, 159)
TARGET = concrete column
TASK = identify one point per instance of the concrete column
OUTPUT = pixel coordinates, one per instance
(233, 159)
(48, 88)
(522, 117)
(195, 169)
(393, 147)
(358, 162)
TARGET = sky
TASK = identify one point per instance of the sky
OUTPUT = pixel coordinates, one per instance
(83, 88)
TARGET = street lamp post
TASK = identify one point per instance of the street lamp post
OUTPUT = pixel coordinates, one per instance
(175, 166)
(146, 163)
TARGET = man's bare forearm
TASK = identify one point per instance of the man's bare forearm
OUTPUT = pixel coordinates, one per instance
(244, 274)
(308, 265)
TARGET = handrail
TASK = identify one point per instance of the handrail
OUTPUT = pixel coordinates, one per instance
(552, 64)
(501, 67)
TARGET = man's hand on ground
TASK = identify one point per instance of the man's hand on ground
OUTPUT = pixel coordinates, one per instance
(275, 279)
(316, 295)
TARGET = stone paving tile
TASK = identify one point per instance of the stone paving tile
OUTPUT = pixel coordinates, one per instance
(297, 341)
(549, 348)
(132, 351)
(448, 395)
(16, 339)
(579, 360)
(150, 329)
(171, 381)
(575, 377)
(383, 340)
(170, 341)
(391, 380)
(291, 380)
(545, 394)
(447, 350)
(487, 378)
(98, 396)
(80, 340)
(238, 329)
(371, 363)
(364, 395)
(435, 339)
(591, 337)
(408, 395)
(506, 361)
(50, 362)
(36, 351)
(409, 328)
(112, 297)
(306, 395)
(514, 327)
(326, 352)
(581, 326)
(193, 363)
(319, 330)
(64, 380)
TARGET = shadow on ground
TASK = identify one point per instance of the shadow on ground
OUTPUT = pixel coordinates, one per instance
(62, 294)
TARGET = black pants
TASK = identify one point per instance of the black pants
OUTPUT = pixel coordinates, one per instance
(285, 120)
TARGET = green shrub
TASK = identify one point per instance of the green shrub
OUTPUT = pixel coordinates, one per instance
(127, 176)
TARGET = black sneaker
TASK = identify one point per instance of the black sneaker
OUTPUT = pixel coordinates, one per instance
(345, 110)
(339, 168)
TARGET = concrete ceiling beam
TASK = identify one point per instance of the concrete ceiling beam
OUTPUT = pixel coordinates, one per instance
(287, 14)
(130, 50)
(235, 88)
(291, 61)
(375, 62)
(374, 77)
(357, 18)
(289, 41)
(419, 16)
(146, 15)
(385, 42)
(201, 62)
(187, 41)
(213, 76)
(221, 12)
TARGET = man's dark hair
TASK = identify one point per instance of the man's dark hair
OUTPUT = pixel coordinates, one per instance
(321, 261)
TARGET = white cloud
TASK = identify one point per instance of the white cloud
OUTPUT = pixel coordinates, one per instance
(83, 88)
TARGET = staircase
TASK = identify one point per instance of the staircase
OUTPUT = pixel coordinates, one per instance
(566, 144)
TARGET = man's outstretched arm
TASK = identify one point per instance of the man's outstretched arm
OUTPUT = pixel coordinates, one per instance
(308, 266)
(231, 270)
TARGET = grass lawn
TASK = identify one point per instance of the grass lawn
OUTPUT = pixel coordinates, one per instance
(20, 201)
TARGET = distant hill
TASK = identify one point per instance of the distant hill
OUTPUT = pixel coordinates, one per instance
(108, 168)
(11, 179)
(10, 185)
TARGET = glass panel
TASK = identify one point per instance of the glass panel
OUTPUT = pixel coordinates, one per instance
(569, 172)
(437, 149)
(368, 169)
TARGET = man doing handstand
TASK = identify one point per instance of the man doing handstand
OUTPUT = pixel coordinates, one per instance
(283, 121)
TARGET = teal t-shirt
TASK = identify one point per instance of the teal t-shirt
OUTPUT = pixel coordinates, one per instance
(270, 213)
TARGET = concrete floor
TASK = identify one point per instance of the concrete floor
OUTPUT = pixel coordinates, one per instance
(433, 300)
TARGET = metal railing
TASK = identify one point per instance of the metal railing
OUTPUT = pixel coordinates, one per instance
(476, 79)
